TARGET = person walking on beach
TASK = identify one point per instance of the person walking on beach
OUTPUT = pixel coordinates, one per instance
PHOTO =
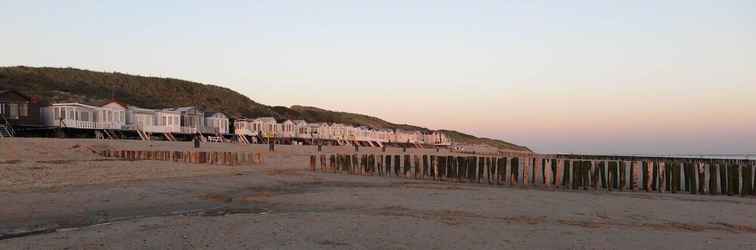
(196, 141)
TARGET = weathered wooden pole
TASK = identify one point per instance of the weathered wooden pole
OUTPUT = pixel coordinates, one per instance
(515, 166)
(339, 163)
(491, 170)
(387, 165)
(547, 173)
(441, 164)
(469, 168)
(595, 180)
(503, 171)
(712, 174)
(723, 167)
(654, 176)
(566, 171)
(700, 171)
(312, 163)
(418, 168)
(747, 178)
(559, 174)
(527, 161)
(398, 165)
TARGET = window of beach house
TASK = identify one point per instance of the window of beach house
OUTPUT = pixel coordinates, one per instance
(23, 109)
(13, 111)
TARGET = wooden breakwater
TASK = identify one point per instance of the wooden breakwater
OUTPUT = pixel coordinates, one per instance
(191, 157)
(606, 173)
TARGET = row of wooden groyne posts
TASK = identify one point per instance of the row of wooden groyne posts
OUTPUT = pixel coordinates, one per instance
(191, 157)
(605, 173)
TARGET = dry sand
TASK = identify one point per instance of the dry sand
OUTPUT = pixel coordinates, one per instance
(56, 194)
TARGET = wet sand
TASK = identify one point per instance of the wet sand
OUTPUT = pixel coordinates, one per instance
(56, 195)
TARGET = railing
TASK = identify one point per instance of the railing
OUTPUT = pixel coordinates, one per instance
(189, 130)
(7, 125)
(76, 124)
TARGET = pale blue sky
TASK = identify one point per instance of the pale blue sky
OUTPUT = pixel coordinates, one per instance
(559, 76)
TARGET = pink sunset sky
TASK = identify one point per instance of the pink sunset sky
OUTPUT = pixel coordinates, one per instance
(613, 77)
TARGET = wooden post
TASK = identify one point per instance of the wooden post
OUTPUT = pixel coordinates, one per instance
(567, 176)
(559, 178)
(426, 167)
(654, 175)
(434, 166)
(723, 177)
(538, 171)
(634, 175)
(514, 166)
(747, 178)
(504, 170)
(417, 168)
(398, 165)
(527, 161)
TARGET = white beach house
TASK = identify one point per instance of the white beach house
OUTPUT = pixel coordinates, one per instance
(216, 122)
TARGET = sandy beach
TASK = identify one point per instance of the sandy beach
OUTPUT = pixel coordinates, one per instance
(58, 194)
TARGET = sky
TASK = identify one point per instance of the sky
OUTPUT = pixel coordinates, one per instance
(602, 77)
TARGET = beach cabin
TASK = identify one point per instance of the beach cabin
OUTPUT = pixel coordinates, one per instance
(192, 119)
(216, 122)
(70, 115)
(386, 135)
(18, 109)
(312, 130)
(436, 138)
(301, 130)
(339, 131)
(408, 136)
(267, 126)
(288, 129)
(363, 133)
(441, 139)
(141, 119)
(112, 115)
(167, 121)
(244, 126)
(321, 130)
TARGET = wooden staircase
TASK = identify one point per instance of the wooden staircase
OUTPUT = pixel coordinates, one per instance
(6, 129)
(108, 134)
(243, 139)
(169, 136)
(143, 135)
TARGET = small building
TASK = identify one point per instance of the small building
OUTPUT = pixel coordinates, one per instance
(244, 126)
(141, 119)
(301, 130)
(167, 121)
(437, 138)
(323, 131)
(339, 132)
(313, 130)
(19, 109)
(288, 129)
(113, 114)
(266, 126)
(216, 122)
(70, 115)
(192, 119)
